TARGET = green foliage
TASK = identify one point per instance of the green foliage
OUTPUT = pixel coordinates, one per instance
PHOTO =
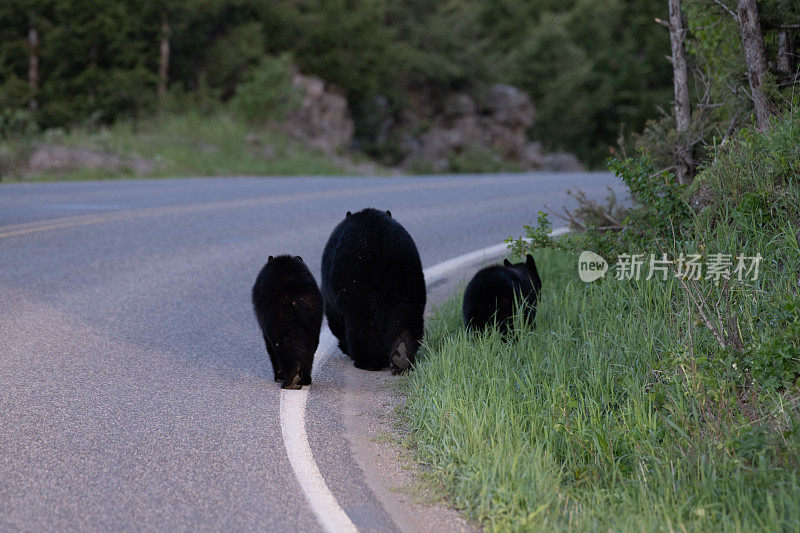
(353, 45)
(536, 237)
(15, 123)
(715, 48)
(477, 161)
(599, 419)
(173, 145)
(660, 212)
(774, 361)
(659, 216)
(765, 163)
(589, 66)
(620, 410)
(234, 54)
(268, 94)
(719, 86)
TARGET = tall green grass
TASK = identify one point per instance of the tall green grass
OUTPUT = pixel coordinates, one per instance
(620, 411)
(184, 144)
(587, 423)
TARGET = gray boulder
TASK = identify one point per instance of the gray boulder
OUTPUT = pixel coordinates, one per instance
(562, 162)
(509, 106)
(323, 118)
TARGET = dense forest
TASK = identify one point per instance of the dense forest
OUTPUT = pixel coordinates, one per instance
(595, 70)
(588, 66)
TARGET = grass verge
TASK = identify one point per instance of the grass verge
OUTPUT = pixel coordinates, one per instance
(621, 410)
(187, 144)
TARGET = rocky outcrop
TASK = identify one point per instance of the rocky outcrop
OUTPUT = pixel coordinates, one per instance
(494, 125)
(322, 119)
(55, 158)
(562, 162)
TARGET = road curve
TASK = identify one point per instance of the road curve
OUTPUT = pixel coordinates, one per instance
(135, 392)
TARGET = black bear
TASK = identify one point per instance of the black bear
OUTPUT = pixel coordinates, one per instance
(494, 291)
(288, 305)
(374, 290)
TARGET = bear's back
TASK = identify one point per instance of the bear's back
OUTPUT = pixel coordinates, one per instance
(285, 291)
(369, 251)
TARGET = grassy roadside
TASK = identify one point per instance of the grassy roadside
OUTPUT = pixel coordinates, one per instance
(186, 144)
(620, 410)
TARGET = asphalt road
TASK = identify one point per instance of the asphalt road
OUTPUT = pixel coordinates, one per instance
(135, 391)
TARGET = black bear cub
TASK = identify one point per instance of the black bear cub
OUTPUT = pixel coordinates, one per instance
(288, 305)
(374, 290)
(493, 292)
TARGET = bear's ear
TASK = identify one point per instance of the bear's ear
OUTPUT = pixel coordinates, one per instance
(506, 262)
(529, 262)
(298, 258)
(389, 213)
(269, 260)
(348, 214)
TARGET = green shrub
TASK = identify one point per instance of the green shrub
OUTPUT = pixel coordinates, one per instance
(477, 161)
(536, 237)
(268, 94)
(601, 418)
(773, 362)
(627, 408)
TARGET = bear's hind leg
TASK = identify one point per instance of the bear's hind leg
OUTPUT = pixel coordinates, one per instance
(305, 370)
(277, 366)
(402, 355)
(293, 378)
(336, 325)
(361, 354)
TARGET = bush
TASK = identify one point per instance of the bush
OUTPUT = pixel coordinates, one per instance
(268, 94)
(660, 215)
(602, 417)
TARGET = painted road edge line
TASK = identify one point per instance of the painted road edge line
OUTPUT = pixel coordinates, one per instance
(330, 515)
(443, 269)
(323, 504)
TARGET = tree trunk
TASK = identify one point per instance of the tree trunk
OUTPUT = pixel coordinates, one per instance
(163, 62)
(754, 55)
(683, 106)
(33, 65)
(786, 55)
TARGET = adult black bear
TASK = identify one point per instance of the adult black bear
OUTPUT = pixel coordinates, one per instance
(374, 290)
(288, 305)
(493, 291)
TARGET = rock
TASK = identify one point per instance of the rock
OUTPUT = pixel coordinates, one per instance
(509, 106)
(496, 125)
(533, 155)
(459, 105)
(322, 119)
(562, 162)
(46, 157)
(500, 128)
(508, 142)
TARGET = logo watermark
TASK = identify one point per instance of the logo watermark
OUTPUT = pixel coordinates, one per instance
(591, 266)
(717, 266)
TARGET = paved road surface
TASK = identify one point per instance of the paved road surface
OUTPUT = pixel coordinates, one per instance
(135, 392)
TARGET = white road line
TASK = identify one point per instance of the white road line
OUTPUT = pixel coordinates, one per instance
(443, 269)
(330, 515)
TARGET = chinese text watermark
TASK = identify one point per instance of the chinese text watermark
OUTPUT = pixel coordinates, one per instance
(716, 266)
